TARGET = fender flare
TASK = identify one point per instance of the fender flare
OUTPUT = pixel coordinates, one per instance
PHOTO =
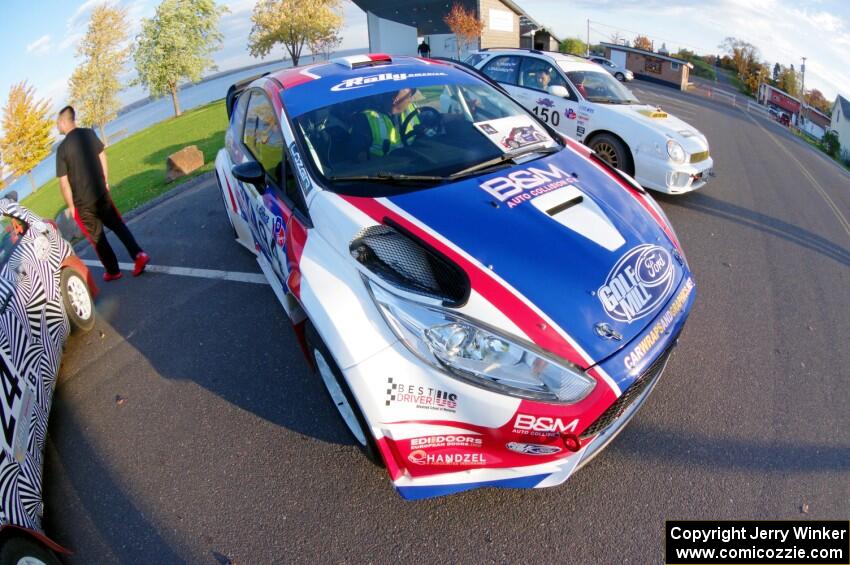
(76, 264)
(588, 139)
(11, 529)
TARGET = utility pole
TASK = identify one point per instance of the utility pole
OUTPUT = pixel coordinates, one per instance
(587, 47)
(803, 89)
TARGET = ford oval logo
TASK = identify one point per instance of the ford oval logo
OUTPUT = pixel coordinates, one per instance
(638, 283)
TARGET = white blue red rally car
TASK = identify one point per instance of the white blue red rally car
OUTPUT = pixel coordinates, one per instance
(481, 315)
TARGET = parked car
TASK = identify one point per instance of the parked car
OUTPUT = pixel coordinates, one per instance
(617, 71)
(481, 316)
(578, 99)
(45, 291)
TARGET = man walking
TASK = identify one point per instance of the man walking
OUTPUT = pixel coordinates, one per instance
(424, 49)
(82, 172)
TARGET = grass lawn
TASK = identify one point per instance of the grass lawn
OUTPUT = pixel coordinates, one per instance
(137, 163)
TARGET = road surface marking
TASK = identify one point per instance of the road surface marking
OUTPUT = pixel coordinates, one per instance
(841, 218)
(235, 276)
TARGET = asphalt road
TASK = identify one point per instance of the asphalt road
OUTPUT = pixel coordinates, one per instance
(186, 426)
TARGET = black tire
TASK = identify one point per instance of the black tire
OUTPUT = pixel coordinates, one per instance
(315, 346)
(226, 209)
(620, 76)
(75, 292)
(18, 547)
(613, 151)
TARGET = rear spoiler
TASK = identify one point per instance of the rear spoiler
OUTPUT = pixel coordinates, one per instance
(238, 88)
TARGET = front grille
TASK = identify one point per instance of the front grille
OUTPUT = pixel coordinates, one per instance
(630, 395)
(697, 157)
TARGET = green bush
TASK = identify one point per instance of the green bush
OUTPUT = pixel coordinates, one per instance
(831, 144)
(703, 69)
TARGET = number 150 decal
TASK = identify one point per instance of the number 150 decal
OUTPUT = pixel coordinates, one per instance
(551, 117)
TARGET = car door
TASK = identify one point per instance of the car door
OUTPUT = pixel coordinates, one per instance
(278, 207)
(559, 112)
(22, 364)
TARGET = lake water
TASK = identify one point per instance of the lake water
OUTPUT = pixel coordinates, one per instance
(157, 110)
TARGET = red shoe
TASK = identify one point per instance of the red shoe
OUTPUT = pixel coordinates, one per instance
(141, 262)
(107, 277)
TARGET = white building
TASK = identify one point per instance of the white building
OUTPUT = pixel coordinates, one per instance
(841, 124)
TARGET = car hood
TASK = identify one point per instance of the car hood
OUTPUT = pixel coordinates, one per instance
(663, 122)
(564, 235)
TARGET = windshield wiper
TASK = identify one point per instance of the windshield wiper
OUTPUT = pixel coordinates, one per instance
(502, 159)
(385, 177)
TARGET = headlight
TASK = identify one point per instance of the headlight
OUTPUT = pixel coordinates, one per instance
(675, 151)
(479, 355)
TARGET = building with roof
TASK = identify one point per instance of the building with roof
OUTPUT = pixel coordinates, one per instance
(651, 66)
(840, 124)
(395, 26)
(808, 118)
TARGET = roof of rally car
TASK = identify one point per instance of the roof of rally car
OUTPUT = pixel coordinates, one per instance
(346, 67)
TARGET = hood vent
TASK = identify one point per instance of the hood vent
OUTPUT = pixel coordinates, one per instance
(404, 261)
(570, 208)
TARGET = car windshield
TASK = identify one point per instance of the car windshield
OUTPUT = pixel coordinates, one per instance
(601, 87)
(410, 136)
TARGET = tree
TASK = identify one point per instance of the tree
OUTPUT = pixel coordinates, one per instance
(294, 24)
(94, 84)
(776, 70)
(465, 25)
(574, 46)
(642, 42)
(324, 46)
(27, 130)
(789, 81)
(176, 44)
(756, 74)
(743, 54)
(816, 99)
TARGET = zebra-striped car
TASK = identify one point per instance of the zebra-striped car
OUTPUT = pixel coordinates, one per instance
(45, 291)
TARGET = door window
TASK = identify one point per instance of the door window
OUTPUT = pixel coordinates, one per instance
(537, 74)
(13, 230)
(262, 136)
(503, 69)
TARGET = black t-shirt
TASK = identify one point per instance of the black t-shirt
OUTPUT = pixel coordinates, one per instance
(78, 158)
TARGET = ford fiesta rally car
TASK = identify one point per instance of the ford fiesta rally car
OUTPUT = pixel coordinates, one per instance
(480, 315)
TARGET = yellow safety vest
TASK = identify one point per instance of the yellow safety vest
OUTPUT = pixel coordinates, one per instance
(382, 127)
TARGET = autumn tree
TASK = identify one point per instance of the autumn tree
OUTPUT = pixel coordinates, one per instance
(176, 45)
(465, 25)
(789, 81)
(743, 54)
(326, 45)
(294, 24)
(642, 42)
(756, 74)
(94, 84)
(574, 46)
(27, 131)
(816, 99)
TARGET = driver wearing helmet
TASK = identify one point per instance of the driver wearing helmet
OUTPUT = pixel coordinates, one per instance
(384, 125)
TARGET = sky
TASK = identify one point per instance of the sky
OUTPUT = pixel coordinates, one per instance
(39, 36)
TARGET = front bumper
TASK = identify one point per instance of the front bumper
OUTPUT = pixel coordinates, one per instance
(665, 176)
(438, 435)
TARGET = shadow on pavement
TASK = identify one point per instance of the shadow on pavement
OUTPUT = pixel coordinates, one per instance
(646, 441)
(101, 496)
(710, 205)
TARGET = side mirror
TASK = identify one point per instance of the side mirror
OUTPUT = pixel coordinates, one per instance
(559, 91)
(251, 172)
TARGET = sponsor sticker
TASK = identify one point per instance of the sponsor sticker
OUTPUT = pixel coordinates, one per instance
(571, 114)
(279, 233)
(428, 398)
(526, 184)
(637, 283)
(429, 442)
(543, 425)
(580, 130)
(533, 448)
(422, 457)
(300, 169)
(548, 102)
(360, 82)
(660, 328)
